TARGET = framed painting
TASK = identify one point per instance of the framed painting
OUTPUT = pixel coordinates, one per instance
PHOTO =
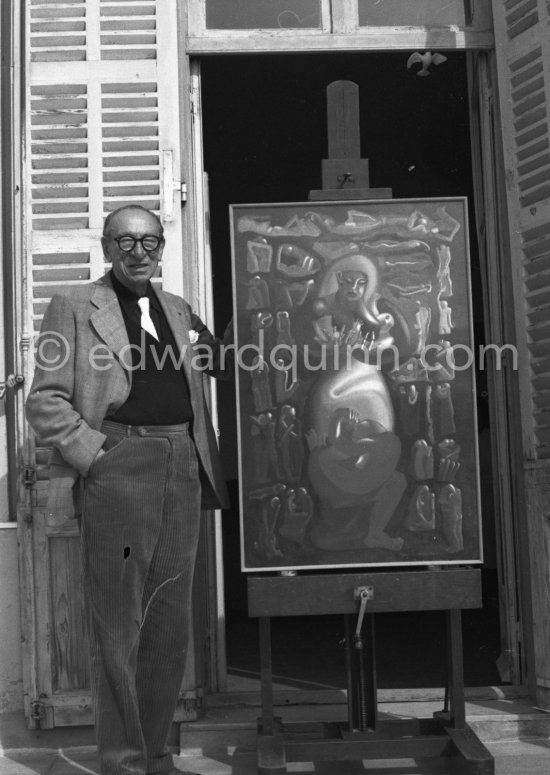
(355, 384)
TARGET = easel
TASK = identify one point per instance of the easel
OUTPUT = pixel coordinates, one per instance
(365, 735)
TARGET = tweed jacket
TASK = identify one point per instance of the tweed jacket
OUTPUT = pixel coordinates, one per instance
(83, 374)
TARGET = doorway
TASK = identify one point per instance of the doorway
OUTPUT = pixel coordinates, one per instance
(264, 124)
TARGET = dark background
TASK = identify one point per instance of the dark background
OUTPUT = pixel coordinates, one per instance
(265, 134)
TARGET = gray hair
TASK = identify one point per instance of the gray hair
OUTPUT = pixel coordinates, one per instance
(109, 218)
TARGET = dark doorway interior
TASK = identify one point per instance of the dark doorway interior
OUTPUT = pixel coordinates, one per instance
(264, 138)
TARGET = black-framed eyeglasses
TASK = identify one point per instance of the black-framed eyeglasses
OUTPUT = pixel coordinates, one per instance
(149, 242)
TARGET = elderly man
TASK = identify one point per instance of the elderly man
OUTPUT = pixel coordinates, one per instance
(117, 396)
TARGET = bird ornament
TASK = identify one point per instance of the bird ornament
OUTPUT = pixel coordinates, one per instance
(426, 60)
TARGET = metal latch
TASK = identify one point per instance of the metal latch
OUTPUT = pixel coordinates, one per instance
(29, 476)
(12, 381)
(364, 594)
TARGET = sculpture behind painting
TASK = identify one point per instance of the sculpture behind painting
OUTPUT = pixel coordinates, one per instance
(353, 448)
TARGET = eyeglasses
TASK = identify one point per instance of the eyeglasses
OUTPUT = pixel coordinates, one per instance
(149, 242)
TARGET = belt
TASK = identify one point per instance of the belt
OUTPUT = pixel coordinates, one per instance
(108, 426)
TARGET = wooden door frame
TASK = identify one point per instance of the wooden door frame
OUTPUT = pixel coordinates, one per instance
(503, 387)
(215, 656)
(339, 30)
(12, 349)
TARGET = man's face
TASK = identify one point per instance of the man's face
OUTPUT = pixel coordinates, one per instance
(352, 284)
(134, 267)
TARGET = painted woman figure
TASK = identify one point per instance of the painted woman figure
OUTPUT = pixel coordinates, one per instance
(353, 448)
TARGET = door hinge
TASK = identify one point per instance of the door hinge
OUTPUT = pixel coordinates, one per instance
(192, 705)
(38, 710)
(488, 95)
(29, 475)
(184, 192)
(194, 96)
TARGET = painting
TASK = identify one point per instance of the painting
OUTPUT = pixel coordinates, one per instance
(355, 384)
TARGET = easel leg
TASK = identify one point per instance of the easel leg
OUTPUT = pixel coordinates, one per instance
(369, 708)
(469, 755)
(456, 669)
(361, 677)
(454, 711)
(271, 752)
(351, 675)
(266, 675)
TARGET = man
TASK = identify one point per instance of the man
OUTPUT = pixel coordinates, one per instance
(116, 395)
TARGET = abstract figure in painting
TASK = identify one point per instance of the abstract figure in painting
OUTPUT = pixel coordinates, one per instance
(353, 448)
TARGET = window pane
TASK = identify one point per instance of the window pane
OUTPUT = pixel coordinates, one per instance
(418, 13)
(266, 14)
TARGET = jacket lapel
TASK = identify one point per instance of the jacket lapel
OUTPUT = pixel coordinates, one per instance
(109, 325)
(108, 321)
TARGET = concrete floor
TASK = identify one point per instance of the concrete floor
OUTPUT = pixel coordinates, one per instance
(223, 743)
(526, 757)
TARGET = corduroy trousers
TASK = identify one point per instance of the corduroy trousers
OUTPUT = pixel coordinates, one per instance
(140, 528)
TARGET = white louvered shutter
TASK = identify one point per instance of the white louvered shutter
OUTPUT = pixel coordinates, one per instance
(103, 130)
(522, 36)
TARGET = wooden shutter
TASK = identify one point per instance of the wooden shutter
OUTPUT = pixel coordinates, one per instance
(103, 129)
(522, 36)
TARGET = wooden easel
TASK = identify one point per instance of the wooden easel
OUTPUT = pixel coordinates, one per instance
(364, 735)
